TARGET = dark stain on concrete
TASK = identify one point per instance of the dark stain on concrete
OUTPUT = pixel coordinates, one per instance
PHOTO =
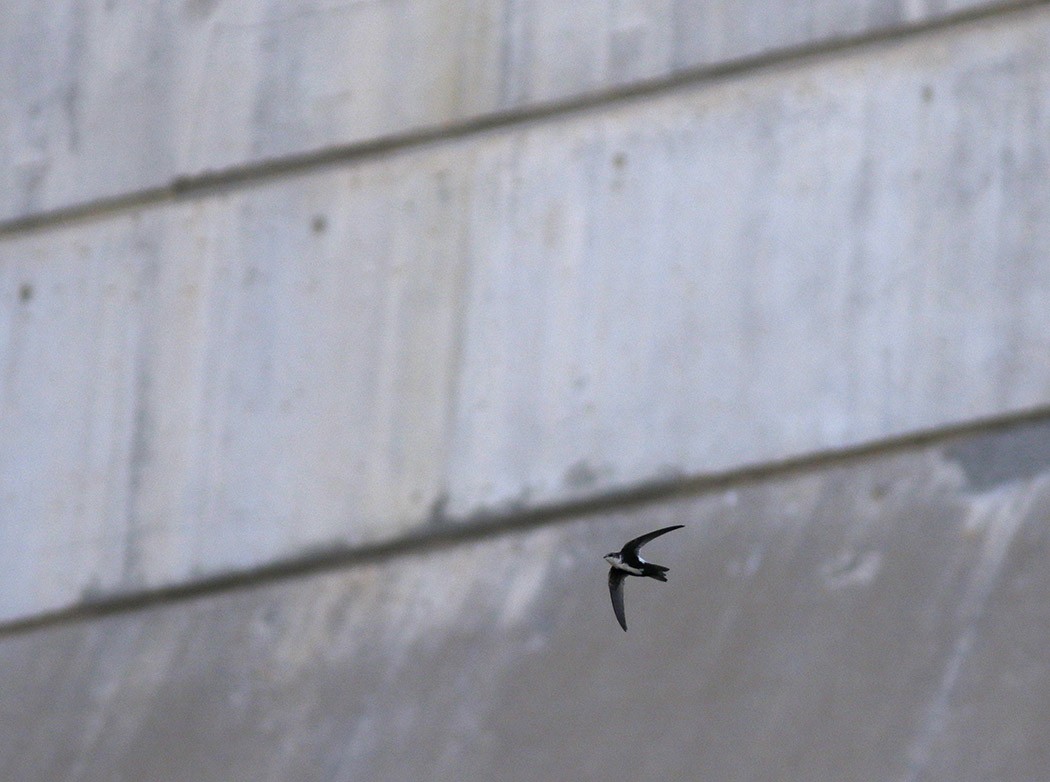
(438, 516)
(581, 475)
(143, 426)
(200, 9)
(1006, 455)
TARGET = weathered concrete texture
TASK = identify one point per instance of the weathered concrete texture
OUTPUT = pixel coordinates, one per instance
(100, 98)
(879, 620)
(199, 388)
(806, 259)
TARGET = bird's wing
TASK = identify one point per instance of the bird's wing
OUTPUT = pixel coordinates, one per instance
(633, 545)
(616, 578)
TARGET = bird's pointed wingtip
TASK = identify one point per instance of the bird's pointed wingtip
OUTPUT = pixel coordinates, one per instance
(616, 578)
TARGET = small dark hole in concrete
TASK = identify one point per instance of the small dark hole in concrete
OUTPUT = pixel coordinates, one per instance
(927, 93)
(25, 292)
(319, 224)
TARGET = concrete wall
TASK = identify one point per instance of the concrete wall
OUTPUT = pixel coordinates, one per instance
(311, 313)
(102, 99)
(880, 618)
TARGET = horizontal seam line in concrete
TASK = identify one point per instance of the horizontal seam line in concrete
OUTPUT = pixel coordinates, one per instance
(209, 182)
(447, 532)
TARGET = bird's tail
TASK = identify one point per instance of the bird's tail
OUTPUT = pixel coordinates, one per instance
(659, 572)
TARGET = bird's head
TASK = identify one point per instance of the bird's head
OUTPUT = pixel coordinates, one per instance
(612, 557)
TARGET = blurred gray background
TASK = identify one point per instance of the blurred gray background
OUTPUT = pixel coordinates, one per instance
(340, 339)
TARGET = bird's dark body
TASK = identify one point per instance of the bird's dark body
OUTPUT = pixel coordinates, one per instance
(628, 562)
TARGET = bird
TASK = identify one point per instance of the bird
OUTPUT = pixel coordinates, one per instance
(628, 562)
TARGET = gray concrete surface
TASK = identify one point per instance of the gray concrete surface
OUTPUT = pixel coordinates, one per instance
(882, 618)
(798, 259)
(100, 98)
(417, 288)
(813, 257)
(244, 379)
